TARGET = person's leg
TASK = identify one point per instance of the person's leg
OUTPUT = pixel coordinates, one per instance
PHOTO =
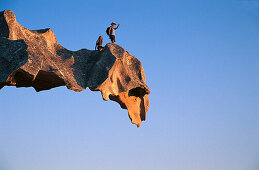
(113, 38)
(100, 48)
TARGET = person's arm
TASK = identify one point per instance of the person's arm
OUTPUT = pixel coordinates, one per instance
(117, 27)
(110, 30)
(96, 44)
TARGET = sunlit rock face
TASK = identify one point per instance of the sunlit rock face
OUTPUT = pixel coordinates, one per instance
(34, 58)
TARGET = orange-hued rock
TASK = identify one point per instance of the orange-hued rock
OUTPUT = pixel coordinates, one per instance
(34, 58)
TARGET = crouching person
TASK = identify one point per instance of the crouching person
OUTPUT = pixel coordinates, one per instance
(99, 44)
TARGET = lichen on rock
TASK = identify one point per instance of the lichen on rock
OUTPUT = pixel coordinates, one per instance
(34, 58)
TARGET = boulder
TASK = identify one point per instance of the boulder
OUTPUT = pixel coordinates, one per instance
(34, 58)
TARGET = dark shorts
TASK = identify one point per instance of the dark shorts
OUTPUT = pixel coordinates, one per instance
(112, 37)
(100, 48)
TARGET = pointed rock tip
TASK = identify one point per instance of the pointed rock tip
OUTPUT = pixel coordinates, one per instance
(8, 13)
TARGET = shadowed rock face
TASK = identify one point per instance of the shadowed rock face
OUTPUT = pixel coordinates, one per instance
(34, 58)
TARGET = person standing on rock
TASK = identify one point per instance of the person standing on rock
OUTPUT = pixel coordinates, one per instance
(111, 31)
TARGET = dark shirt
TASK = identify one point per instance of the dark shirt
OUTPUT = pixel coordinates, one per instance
(99, 43)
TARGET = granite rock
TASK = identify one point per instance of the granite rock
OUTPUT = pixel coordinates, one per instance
(34, 58)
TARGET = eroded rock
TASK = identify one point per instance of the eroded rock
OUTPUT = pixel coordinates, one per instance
(34, 58)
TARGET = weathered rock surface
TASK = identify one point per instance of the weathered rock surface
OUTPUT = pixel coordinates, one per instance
(34, 58)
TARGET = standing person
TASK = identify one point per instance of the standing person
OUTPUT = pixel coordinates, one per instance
(99, 44)
(112, 31)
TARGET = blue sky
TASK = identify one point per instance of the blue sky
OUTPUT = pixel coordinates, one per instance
(201, 62)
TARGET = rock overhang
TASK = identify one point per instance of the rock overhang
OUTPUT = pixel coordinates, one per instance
(34, 58)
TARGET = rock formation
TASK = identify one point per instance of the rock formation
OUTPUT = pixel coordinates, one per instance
(34, 58)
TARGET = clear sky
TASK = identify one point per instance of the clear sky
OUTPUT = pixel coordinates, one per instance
(201, 60)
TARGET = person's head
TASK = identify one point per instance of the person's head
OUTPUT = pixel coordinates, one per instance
(113, 24)
(100, 37)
